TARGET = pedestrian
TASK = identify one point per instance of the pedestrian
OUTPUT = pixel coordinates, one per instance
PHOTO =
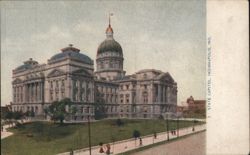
(155, 135)
(140, 142)
(193, 129)
(71, 152)
(101, 148)
(108, 149)
(2, 128)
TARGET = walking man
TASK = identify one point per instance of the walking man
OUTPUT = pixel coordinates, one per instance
(140, 141)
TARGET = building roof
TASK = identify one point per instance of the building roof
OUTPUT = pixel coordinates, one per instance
(27, 65)
(109, 44)
(24, 67)
(71, 52)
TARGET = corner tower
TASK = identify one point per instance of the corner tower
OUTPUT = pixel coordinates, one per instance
(109, 58)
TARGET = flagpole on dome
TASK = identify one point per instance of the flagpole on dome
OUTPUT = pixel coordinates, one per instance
(110, 14)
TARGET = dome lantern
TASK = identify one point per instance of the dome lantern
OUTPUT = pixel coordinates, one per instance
(109, 30)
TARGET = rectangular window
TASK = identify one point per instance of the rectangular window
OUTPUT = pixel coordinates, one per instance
(51, 96)
(51, 84)
(57, 85)
(57, 98)
(63, 96)
(62, 83)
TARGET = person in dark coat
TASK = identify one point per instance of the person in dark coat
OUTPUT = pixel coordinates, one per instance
(108, 149)
(155, 135)
(140, 142)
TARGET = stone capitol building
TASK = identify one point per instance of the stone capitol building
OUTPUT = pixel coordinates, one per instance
(147, 93)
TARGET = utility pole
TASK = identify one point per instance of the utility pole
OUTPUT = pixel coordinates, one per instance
(177, 126)
(167, 129)
(89, 135)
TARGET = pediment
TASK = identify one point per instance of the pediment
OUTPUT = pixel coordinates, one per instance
(166, 77)
(82, 72)
(55, 73)
(17, 80)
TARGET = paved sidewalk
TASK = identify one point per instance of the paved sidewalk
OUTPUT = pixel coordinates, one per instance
(130, 144)
(191, 145)
(5, 133)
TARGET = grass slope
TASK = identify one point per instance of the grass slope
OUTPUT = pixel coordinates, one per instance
(44, 138)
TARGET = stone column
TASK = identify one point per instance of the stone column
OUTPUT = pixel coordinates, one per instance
(42, 91)
(72, 88)
(163, 94)
(79, 90)
(170, 95)
(28, 93)
(38, 92)
(54, 90)
(93, 91)
(150, 93)
(34, 92)
(16, 90)
(85, 93)
(167, 95)
(23, 91)
(159, 93)
(13, 93)
(17, 94)
(22, 94)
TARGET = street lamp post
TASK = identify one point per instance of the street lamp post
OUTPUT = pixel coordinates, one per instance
(167, 129)
(89, 135)
(193, 125)
(177, 126)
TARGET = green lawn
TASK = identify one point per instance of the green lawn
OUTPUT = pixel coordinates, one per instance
(44, 138)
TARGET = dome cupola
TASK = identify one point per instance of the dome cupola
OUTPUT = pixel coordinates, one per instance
(109, 32)
(109, 44)
(109, 58)
(71, 52)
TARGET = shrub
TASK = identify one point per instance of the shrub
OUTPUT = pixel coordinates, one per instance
(136, 134)
(119, 122)
(161, 117)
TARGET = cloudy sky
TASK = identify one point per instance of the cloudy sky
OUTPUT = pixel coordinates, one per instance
(166, 35)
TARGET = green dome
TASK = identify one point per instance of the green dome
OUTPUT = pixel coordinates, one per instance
(109, 45)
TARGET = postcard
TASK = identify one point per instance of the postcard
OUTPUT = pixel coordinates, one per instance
(124, 77)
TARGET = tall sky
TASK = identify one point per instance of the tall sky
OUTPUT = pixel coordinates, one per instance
(168, 35)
